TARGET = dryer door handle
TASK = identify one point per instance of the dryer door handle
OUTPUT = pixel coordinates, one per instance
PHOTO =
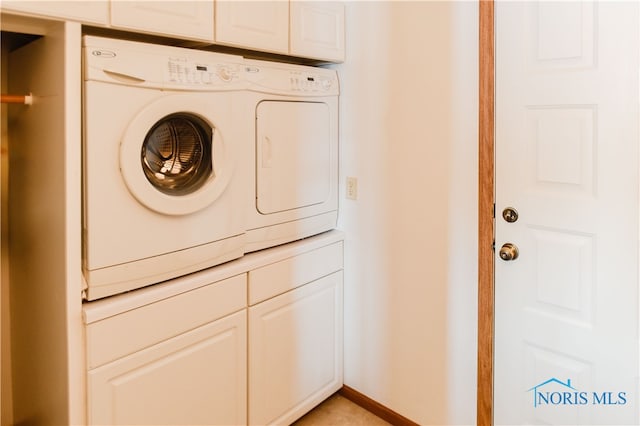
(267, 152)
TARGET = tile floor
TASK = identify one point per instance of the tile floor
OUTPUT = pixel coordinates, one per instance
(338, 411)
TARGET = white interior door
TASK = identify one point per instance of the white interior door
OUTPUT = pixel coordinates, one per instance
(566, 325)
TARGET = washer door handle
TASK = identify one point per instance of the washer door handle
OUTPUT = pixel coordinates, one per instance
(124, 78)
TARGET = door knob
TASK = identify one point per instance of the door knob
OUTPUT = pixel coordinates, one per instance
(508, 252)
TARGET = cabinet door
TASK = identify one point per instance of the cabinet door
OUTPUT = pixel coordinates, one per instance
(295, 351)
(262, 25)
(198, 377)
(92, 12)
(191, 19)
(317, 30)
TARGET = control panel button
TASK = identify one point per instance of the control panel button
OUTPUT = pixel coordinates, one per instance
(225, 74)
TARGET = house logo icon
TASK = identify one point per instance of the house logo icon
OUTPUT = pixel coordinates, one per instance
(554, 392)
(556, 397)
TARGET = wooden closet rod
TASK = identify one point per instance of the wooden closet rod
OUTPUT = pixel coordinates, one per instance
(16, 99)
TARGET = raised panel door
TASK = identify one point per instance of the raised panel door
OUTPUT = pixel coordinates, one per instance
(295, 351)
(198, 377)
(92, 12)
(317, 30)
(190, 19)
(567, 117)
(262, 25)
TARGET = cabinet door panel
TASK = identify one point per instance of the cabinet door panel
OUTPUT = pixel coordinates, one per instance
(262, 25)
(295, 351)
(198, 377)
(265, 282)
(317, 30)
(93, 12)
(131, 331)
(191, 19)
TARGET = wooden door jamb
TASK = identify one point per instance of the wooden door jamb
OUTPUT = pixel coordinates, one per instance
(486, 213)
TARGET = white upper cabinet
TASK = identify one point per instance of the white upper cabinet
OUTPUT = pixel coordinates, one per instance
(191, 19)
(93, 12)
(302, 28)
(317, 29)
(261, 25)
(310, 29)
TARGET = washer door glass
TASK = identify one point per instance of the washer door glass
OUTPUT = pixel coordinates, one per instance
(176, 154)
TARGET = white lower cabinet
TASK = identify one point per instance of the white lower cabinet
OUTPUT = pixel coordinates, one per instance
(295, 351)
(254, 341)
(198, 377)
(157, 358)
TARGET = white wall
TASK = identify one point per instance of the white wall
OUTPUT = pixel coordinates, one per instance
(409, 134)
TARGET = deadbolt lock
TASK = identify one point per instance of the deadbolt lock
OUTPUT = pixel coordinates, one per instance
(510, 214)
(508, 252)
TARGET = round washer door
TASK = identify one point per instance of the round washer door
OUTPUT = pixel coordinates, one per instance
(173, 157)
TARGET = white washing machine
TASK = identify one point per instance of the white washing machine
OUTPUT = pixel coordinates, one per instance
(162, 149)
(292, 118)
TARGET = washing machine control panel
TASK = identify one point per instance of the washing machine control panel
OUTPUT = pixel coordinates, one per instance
(160, 67)
(183, 71)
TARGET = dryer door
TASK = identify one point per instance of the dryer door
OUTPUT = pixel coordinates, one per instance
(293, 155)
(173, 157)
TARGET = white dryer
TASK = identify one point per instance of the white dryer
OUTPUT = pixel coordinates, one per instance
(292, 118)
(162, 148)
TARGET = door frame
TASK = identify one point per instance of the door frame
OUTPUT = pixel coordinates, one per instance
(486, 212)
